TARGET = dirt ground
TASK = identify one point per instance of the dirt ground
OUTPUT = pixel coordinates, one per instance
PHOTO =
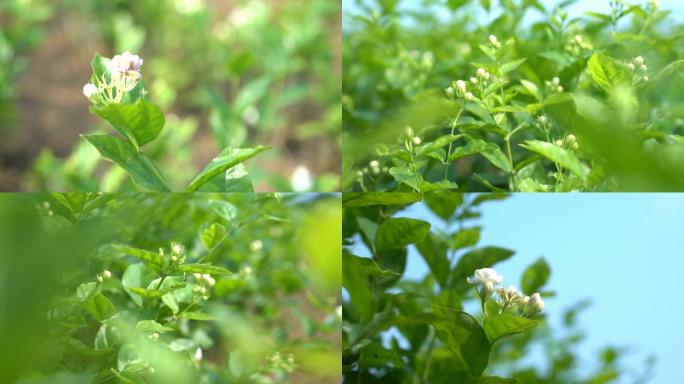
(53, 112)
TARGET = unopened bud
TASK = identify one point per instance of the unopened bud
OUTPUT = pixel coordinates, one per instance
(468, 96)
(416, 140)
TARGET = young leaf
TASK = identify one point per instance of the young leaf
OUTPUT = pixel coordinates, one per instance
(607, 71)
(151, 257)
(473, 146)
(465, 237)
(511, 65)
(152, 326)
(140, 122)
(436, 144)
(142, 170)
(560, 156)
(229, 158)
(397, 233)
(170, 301)
(147, 293)
(204, 268)
(403, 175)
(212, 235)
(535, 276)
(503, 325)
(87, 290)
(434, 250)
(464, 337)
(100, 307)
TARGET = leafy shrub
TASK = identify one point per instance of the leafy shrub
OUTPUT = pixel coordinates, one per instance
(159, 288)
(436, 98)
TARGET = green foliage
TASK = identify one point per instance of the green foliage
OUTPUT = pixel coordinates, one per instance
(563, 103)
(160, 288)
(443, 342)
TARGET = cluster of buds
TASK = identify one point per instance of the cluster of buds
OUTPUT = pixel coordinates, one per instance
(176, 257)
(105, 275)
(577, 44)
(639, 69)
(460, 88)
(494, 42)
(124, 75)
(277, 362)
(154, 336)
(410, 136)
(510, 299)
(570, 141)
(45, 208)
(554, 85)
(204, 282)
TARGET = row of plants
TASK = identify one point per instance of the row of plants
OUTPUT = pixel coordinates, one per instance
(512, 96)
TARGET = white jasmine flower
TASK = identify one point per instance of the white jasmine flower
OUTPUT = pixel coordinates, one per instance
(485, 275)
(301, 179)
(89, 90)
(460, 86)
(468, 96)
(198, 354)
(536, 303)
(126, 63)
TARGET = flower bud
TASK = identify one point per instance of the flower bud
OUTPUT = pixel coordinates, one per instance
(468, 96)
(374, 164)
(570, 139)
(578, 39)
(100, 279)
(541, 119)
(408, 132)
(645, 78)
(449, 91)
(493, 39)
(359, 174)
(559, 89)
(106, 274)
(416, 140)
(89, 90)
(197, 275)
(638, 60)
(481, 73)
(536, 303)
(555, 81)
(644, 67)
(558, 142)
(473, 80)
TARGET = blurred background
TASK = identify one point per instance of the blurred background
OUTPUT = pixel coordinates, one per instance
(226, 72)
(615, 262)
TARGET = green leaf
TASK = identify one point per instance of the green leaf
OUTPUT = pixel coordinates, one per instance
(152, 326)
(437, 143)
(434, 250)
(535, 276)
(150, 257)
(213, 235)
(132, 278)
(465, 338)
(491, 380)
(465, 237)
(147, 293)
(141, 169)
(531, 88)
(366, 199)
(473, 146)
(607, 71)
(170, 301)
(403, 175)
(497, 327)
(204, 268)
(375, 355)
(100, 307)
(498, 159)
(200, 316)
(140, 122)
(229, 158)
(560, 156)
(511, 65)
(478, 258)
(129, 360)
(395, 233)
(87, 290)
(443, 204)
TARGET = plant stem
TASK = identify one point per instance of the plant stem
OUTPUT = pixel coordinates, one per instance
(428, 362)
(446, 158)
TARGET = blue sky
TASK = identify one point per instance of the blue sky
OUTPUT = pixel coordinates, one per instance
(624, 251)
